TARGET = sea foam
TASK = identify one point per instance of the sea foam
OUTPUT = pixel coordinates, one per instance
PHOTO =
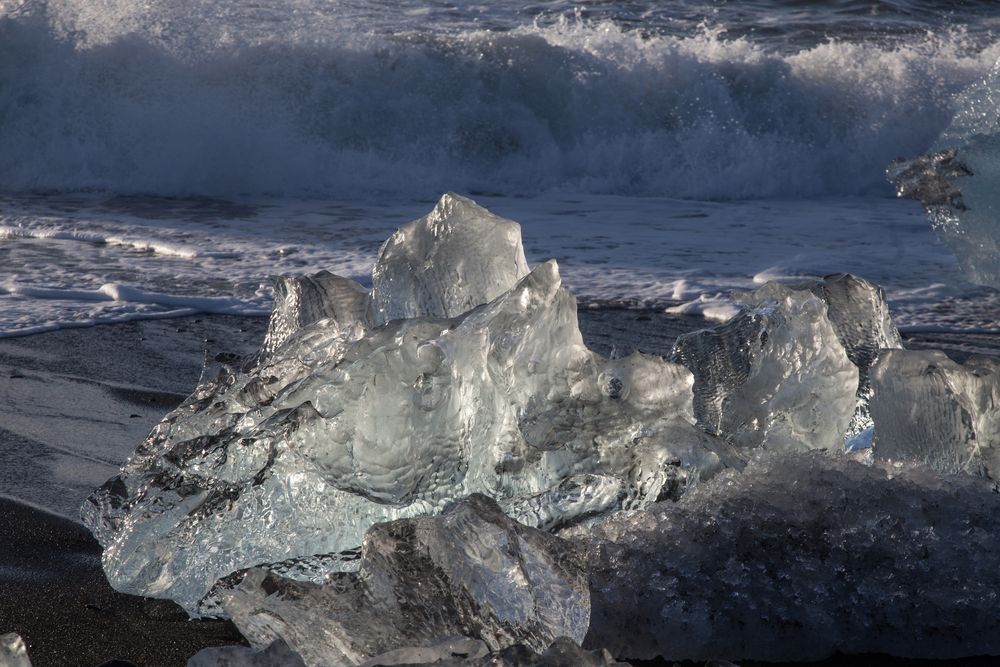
(214, 99)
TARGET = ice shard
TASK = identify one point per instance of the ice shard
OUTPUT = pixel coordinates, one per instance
(13, 652)
(929, 408)
(346, 422)
(957, 180)
(470, 572)
(776, 375)
(799, 556)
(302, 300)
(859, 313)
(453, 259)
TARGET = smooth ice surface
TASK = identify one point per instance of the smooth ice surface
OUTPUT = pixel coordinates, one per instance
(13, 652)
(449, 261)
(471, 571)
(798, 556)
(957, 182)
(776, 375)
(929, 408)
(346, 424)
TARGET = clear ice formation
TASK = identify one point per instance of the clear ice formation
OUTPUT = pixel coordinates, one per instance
(357, 418)
(13, 652)
(470, 572)
(777, 375)
(956, 182)
(931, 409)
(797, 557)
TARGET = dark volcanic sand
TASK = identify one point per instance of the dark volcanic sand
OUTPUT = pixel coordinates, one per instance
(62, 392)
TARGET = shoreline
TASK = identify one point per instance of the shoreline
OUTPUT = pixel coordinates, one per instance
(76, 402)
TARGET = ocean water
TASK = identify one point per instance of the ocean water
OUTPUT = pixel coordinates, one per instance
(168, 157)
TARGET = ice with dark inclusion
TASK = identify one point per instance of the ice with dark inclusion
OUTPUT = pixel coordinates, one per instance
(791, 370)
(357, 418)
(799, 556)
(929, 408)
(957, 181)
(471, 572)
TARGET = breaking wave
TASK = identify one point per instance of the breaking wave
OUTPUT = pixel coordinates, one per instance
(128, 101)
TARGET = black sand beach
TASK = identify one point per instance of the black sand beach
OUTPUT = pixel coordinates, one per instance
(73, 405)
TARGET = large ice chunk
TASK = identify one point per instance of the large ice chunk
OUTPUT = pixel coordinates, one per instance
(859, 313)
(929, 408)
(472, 571)
(957, 181)
(797, 557)
(776, 375)
(449, 261)
(345, 424)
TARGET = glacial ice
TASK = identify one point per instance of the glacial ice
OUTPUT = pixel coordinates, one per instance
(797, 557)
(349, 421)
(776, 375)
(859, 313)
(929, 408)
(13, 652)
(956, 182)
(470, 572)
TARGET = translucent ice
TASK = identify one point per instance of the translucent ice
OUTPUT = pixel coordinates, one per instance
(929, 408)
(776, 375)
(472, 571)
(859, 313)
(302, 300)
(453, 259)
(957, 182)
(342, 423)
(13, 652)
(797, 557)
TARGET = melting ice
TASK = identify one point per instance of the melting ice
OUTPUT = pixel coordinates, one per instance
(441, 459)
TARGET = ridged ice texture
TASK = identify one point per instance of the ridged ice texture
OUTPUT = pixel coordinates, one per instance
(302, 300)
(798, 556)
(776, 375)
(859, 313)
(346, 424)
(456, 257)
(929, 408)
(471, 571)
(957, 182)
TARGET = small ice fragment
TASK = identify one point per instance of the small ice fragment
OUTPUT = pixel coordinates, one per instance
(13, 652)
